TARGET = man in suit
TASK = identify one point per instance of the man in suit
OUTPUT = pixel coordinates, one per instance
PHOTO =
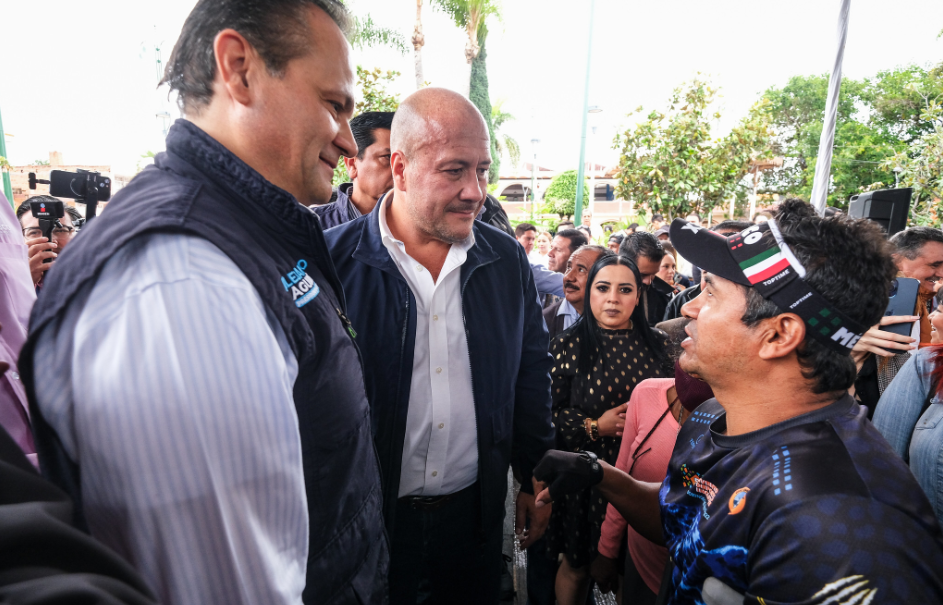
(455, 356)
(562, 314)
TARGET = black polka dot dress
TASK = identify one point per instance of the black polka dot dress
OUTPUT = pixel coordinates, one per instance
(625, 362)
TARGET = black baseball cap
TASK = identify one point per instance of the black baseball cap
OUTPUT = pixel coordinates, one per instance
(759, 258)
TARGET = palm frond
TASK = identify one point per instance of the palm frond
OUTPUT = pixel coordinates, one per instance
(365, 33)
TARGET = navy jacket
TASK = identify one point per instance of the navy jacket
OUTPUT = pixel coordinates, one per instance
(338, 211)
(507, 347)
(199, 187)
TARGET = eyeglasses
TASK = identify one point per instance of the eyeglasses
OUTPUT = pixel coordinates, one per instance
(58, 232)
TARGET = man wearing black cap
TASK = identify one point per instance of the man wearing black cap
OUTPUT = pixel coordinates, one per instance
(779, 489)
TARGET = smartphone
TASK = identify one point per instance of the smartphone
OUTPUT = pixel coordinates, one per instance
(74, 184)
(903, 301)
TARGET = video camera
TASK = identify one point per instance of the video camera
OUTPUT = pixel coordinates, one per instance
(83, 186)
(48, 213)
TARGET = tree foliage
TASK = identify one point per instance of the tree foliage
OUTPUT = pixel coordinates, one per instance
(4, 164)
(479, 95)
(670, 163)
(921, 167)
(560, 198)
(504, 143)
(365, 33)
(878, 118)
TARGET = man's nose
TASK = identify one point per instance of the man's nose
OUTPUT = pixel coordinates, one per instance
(345, 141)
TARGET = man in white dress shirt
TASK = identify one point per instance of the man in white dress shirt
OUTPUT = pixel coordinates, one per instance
(455, 356)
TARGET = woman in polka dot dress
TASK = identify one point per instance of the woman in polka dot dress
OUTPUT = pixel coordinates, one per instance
(597, 364)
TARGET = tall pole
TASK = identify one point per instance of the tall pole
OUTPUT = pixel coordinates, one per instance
(592, 179)
(7, 187)
(533, 178)
(581, 174)
(823, 166)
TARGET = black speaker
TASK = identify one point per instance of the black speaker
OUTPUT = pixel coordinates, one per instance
(887, 207)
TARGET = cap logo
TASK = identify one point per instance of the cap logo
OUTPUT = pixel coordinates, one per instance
(692, 227)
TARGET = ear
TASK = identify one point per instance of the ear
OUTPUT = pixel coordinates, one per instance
(236, 64)
(351, 165)
(398, 164)
(780, 336)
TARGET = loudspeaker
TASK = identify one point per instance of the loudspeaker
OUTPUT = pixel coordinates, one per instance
(887, 207)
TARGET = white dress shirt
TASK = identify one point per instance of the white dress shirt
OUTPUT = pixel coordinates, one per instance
(172, 390)
(569, 313)
(440, 453)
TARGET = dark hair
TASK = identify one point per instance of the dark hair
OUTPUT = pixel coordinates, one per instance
(601, 250)
(642, 243)
(633, 226)
(617, 236)
(587, 328)
(586, 230)
(576, 237)
(848, 262)
(365, 125)
(909, 242)
(658, 217)
(523, 228)
(276, 29)
(25, 207)
(731, 226)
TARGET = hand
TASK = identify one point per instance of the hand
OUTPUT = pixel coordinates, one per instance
(606, 573)
(39, 249)
(566, 473)
(613, 421)
(530, 520)
(877, 341)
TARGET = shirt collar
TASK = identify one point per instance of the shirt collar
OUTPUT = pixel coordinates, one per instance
(567, 309)
(389, 240)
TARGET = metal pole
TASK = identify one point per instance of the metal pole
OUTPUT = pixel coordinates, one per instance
(823, 166)
(581, 174)
(533, 179)
(592, 180)
(7, 187)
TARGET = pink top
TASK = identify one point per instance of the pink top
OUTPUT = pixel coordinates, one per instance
(648, 404)
(16, 300)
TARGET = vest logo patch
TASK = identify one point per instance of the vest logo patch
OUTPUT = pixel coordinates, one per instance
(302, 287)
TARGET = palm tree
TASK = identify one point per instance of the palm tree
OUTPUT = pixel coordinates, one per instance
(504, 143)
(470, 15)
(364, 33)
(418, 41)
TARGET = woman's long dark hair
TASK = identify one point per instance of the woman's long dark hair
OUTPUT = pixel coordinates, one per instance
(587, 328)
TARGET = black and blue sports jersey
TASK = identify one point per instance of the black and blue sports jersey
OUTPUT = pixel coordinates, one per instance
(815, 510)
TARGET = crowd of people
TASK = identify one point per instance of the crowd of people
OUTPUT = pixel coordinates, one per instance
(242, 385)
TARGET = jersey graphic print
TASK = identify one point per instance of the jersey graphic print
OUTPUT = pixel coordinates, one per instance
(817, 510)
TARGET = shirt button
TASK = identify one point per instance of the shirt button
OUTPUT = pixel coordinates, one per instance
(434, 473)
(438, 370)
(418, 267)
(441, 425)
(435, 318)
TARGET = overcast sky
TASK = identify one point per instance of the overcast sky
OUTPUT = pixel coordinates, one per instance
(80, 77)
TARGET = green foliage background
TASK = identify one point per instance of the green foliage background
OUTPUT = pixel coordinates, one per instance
(560, 198)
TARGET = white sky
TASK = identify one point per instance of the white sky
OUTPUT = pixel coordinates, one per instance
(94, 99)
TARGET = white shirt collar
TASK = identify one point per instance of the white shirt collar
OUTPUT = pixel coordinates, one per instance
(388, 239)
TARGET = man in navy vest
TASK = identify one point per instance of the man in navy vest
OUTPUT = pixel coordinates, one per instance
(193, 378)
(455, 356)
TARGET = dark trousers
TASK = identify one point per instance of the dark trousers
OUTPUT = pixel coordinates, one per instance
(443, 555)
(541, 575)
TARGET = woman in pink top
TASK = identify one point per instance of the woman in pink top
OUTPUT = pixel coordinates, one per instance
(657, 409)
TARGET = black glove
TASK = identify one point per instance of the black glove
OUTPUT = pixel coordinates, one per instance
(568, 473)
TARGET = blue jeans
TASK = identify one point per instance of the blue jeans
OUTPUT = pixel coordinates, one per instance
(916, 437)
